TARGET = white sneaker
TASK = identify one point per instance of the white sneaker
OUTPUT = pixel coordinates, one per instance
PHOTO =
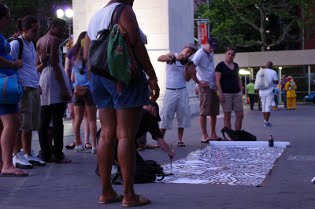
(267, 124)
(34, 160)
(19, 161)
(81, 148)
(93, 150)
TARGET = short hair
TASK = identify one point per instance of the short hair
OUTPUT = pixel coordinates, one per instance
(54, 21)
(230, 48)
(269, 64)
(28, 21)
(4, 10)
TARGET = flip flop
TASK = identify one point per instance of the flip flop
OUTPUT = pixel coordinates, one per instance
(217, 139)
(88, 146)
(139, 202)
(14, 174)
(205, 141)
(181, 144)
(117, 198)
(70, 146)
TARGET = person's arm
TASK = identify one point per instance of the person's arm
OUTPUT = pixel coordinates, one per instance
(86, 48)
(68, 66)
(240, 82)
(219, 87)
(166, 58)
(129, 22)
(166, 148)
(4, 63)
(15, 49)
(54, 60)
(72, 77)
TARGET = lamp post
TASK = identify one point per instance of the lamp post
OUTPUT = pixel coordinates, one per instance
(68, 13)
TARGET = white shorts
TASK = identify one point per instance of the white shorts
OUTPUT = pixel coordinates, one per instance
(175, 101)
(266, 102)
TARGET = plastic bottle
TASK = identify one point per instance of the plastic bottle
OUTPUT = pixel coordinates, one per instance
(270, 141)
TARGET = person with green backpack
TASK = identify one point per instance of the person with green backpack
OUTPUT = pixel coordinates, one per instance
(119, 103)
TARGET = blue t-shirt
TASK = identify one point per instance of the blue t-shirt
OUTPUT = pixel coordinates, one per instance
(5, 50)
(81, 77)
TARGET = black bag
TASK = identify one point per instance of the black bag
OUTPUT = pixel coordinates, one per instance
(146, 172)
(98, 48)
(237, 135)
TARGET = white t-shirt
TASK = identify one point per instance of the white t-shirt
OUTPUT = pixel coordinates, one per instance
(100, 20)
(28, 74)
(175, 75)
(271, 76)
(205, 67)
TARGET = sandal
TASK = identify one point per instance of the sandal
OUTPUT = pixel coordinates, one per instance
(140, 201)
(117, 198)
(88, 145)
(181, 144)
(70, 146)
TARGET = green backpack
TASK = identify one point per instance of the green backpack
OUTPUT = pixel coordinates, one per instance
(121, 61)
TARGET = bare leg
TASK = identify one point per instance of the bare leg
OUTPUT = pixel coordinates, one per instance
(213, 123)
(127, 125)
(266, 116)
(8, 136)
(91, 120)
(180, 133)
(203, 125)
(227, 119)
(163, 130)
(71, 113)
(86, 126)
(239, 120)
(79, 112)
(18, 143)
(27, 142)
(105, 152)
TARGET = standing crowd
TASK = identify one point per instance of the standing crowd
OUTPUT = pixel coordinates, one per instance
(126, 112)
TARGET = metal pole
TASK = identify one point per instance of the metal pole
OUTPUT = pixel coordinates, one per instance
(280, 89)
(309, 79)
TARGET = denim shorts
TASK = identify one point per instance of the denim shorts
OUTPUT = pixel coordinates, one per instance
(106, 95)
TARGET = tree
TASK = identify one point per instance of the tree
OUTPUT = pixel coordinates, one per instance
(258, 24)
(42, 9)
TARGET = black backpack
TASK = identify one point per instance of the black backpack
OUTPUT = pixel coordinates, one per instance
(147, 171)
(237, 135)
(21, 46)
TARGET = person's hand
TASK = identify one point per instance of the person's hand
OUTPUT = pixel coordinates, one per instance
(43, 58)
(17, 64)
(154, 89)
(204, 84)
(171, 154)
(221, 98)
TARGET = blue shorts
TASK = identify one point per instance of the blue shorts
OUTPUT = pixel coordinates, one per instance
(105, 95)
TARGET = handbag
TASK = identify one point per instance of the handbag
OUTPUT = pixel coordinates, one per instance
(237, 135)
(98, 59)
(10, 90)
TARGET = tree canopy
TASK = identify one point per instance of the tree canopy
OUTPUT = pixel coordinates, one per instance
(254, 25)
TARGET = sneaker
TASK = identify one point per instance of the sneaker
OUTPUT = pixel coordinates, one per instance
(93, 150)
(267, 124)
(34, 160)
(81, 148)
(19, 161)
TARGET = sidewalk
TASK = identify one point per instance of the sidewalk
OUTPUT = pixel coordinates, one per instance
(75, 186)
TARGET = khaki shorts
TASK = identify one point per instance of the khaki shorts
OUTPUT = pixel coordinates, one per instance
(29, 108)
(209, 101)
(232, 102)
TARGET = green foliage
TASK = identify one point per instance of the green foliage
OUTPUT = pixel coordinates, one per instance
(253, 25)
(42, 9)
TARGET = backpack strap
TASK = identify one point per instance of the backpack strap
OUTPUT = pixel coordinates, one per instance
(223, 131)
(21, 47)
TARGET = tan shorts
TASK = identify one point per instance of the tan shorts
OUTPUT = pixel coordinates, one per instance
(29, 108)
(232, 102)
(209, 101)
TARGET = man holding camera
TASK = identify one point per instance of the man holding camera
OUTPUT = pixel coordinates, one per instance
(176, 98)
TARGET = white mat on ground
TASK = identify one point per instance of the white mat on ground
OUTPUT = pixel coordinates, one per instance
(232, 163)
